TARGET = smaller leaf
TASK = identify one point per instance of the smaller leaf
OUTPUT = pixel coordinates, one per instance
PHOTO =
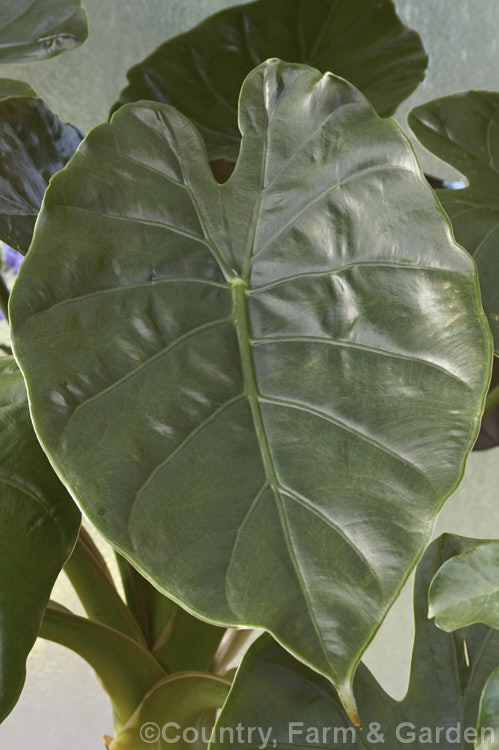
(466, 589)
(34, 145)
(33, 30)
(38, 528)
(488, 717)
(188, 700)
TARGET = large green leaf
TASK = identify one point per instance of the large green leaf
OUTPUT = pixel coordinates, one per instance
(466, 589)
(261, 392)
(272, 690)
(38, 528)
(38, 29)
(186, 701)
(200, 72)
(34, 144)
(462, 129)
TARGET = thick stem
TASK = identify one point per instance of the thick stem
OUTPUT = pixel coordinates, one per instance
(231, 647)
(188, 644)
(127, 671)
(92, 582)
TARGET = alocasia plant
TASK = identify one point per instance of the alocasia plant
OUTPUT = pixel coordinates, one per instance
(226, 317)
(260, 389)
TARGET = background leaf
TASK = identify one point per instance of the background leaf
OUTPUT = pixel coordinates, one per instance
(200, 72)
(34, 144)
(462, 129)
(287, 403)
(273, 690)
(38, 29)
(38, 527)
(466, 589)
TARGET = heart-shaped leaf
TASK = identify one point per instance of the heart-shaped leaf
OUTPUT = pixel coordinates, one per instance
(38, 528)
(185, 702)
(38, 29)
(261, 392)
(463, 130)
(301, 709)
(200, 72)
(466, 589)
(34, 144)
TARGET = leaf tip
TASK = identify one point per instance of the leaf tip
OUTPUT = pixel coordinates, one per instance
(347, 699)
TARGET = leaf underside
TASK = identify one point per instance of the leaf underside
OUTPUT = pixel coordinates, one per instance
(261, 392)
(201, 72)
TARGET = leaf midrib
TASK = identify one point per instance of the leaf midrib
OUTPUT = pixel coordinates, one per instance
(239, 290)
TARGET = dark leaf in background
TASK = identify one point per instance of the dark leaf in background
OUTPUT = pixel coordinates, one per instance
(38, 527)
(34, 144)
(201, 72)
(33, 30)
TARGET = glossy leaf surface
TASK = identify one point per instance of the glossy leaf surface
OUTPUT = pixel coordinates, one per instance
(38, 528)
(488, 718)
(273, 690)
(200, 72)
(34, 144)
(188, 700)
(462, 129)
(33, 30)
(466, 589)
(261, 391)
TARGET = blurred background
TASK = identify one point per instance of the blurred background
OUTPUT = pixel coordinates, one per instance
(63, 705)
